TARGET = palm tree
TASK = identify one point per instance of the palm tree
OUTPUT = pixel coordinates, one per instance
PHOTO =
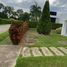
(35, 11)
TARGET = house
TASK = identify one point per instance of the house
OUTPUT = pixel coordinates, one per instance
(60, 18)
(53, 16)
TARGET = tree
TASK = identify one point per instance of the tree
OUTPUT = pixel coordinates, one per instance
(1, 6)
(44, 25)
(3, 16)
(8, 10)
(24, 16)
(14, 15)
(35, 11)
(20, 11)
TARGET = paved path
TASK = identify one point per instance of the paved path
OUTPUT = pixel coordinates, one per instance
(8, 55)
(4, 28)
(44, 51)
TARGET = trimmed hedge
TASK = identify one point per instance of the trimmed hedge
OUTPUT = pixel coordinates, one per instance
(5, 21)
(32, 24)
(55, 26)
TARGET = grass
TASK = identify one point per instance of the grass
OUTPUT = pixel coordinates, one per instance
(4, 38)
(6, 41)
(42, 62)
(44, 41)
(48, 40)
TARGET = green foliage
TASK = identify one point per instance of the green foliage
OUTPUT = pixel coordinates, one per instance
(3, 15)
(5, 21)
(24, 16)
(9, 21)
(44, 25)
(20, 11)
(32, 24)
(8, 10)
(55, 26)
(35, 12)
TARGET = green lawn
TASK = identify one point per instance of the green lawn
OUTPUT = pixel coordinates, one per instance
(42, 62)
(48, 40)
(44, 41)
(4, 38)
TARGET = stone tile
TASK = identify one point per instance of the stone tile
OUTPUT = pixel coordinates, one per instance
(46, 51)
(63, 49)
(26, 52)
(36, 52)
(56, 51)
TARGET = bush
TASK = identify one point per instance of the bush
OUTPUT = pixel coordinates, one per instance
(17, 30)
(44, 25)
(5, 21)
(58, 30)
(3, 15)
(55, 26)
(32, 24)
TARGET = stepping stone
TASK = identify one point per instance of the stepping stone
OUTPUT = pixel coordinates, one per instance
(46, 51)
(26, 52)
(56, 51)
(36, 52)
(63, 49)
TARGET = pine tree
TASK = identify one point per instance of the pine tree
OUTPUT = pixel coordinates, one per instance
(44, 25)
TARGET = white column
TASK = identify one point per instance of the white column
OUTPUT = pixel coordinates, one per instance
(64, 30)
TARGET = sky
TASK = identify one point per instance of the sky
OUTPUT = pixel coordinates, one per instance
(55, 5)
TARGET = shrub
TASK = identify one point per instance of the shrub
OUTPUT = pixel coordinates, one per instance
(58, 30)
(44, 25)
(17, 30)
(3, 15)
(5, 21)
(55, 26)
(32, 24)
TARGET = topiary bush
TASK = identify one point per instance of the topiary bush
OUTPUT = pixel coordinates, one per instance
(17, 31)
(44, 25)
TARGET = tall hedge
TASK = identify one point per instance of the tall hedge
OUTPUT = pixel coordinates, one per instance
(44, 25)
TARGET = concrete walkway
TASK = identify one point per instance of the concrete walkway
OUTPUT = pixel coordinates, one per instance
(8, 55)
(44, 51)
(4, 28)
